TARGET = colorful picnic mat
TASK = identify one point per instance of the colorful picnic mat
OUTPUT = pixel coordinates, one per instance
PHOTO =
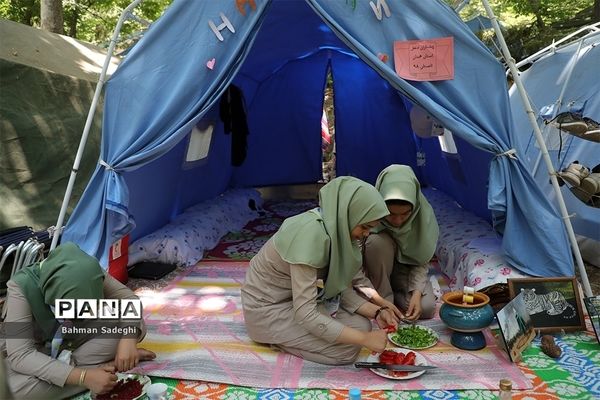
(209, 290)
(196, 327)
(575, 375)
(206, 294)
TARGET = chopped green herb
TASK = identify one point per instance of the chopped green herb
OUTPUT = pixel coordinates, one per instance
(414, 337)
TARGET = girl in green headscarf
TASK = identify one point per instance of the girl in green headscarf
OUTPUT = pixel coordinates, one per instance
(396, 255)
(299, 296)
(47, 365)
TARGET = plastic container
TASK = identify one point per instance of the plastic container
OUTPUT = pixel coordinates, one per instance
(354, 394)
(505, 392)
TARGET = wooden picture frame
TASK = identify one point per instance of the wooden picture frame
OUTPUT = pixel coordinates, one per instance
(593, 308)
(516, 327)
(553, 303)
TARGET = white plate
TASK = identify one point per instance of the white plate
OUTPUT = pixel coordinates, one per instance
(143, 379)
(435, 335)
(386, 373)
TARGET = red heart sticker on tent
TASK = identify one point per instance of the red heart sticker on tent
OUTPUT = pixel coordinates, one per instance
(210, 64)
(383, 57)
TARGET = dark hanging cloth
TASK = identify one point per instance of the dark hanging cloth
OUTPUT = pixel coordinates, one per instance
(232, 111)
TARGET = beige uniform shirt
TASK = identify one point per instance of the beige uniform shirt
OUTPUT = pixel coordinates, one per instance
(31, 357)
(280, 300)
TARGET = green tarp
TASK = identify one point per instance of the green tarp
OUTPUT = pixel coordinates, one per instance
(47, 84)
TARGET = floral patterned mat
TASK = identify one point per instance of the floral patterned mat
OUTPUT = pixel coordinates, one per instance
(243, 245)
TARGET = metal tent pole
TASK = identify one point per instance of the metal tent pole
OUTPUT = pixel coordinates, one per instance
(538, 136)
(88, 123)
(595, 27)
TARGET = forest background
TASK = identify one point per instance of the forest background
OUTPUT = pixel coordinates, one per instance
(529, 25)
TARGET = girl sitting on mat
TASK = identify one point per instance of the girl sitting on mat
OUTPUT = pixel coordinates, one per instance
(299, 293)
(40, 364)
(396, 255)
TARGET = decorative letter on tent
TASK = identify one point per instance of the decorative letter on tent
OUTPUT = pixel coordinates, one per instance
(381, 4)
(226, 24)
(425, 60)
(240, 6)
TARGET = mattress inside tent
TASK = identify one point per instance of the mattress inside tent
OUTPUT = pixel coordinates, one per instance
(468, 250)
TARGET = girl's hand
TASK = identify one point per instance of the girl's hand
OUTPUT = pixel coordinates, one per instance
(100, 380)
(126, 356)
(414, 306)
(386, 318)
(381, 302)
(376, 340)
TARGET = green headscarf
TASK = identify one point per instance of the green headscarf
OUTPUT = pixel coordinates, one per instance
(321, 238)
(417, 237)
(67, 273)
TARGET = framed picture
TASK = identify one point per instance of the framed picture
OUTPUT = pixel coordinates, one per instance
(516, 327)
(593, 307)
(552, 303)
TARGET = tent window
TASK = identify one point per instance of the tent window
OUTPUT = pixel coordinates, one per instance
(199, 143)
(447, 142)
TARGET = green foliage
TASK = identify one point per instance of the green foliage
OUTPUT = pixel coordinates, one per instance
(550, 11)
(530, 25)
(89, 20)
(23, 11)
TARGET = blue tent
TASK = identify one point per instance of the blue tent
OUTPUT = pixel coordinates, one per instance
(479, 23)
(572, 70)
(279, 55)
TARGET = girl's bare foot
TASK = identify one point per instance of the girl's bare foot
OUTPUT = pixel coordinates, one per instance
(108, 364)
(145, 355)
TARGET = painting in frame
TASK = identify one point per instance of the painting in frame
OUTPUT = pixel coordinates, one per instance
(516, 327)
(593, 307)
(553, 303)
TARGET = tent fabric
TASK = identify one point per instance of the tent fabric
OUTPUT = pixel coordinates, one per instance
(573, 71)
(163, 88)
(479, 23)
(47, 84)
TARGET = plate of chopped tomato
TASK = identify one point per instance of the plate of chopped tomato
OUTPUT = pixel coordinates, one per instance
(397, 356)
(128, 387)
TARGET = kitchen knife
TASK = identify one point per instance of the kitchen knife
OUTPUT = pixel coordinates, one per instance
(394, 367)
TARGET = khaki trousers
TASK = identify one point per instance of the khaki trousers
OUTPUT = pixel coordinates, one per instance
(392, 280)
(313, 348)
(91, 354)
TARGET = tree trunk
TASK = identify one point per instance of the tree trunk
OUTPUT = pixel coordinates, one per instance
(27, 18)
(71, 19)
(536, 8)
(51, 13)
(596, 14)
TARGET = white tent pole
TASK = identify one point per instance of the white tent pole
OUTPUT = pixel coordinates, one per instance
(558, 103)
(538, 136)
(88, 123)
(595, 27)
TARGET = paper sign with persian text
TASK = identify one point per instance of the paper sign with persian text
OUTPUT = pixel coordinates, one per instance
(425, 60)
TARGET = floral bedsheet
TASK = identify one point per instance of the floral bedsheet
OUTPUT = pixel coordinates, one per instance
(469, 250)
(184, 240)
